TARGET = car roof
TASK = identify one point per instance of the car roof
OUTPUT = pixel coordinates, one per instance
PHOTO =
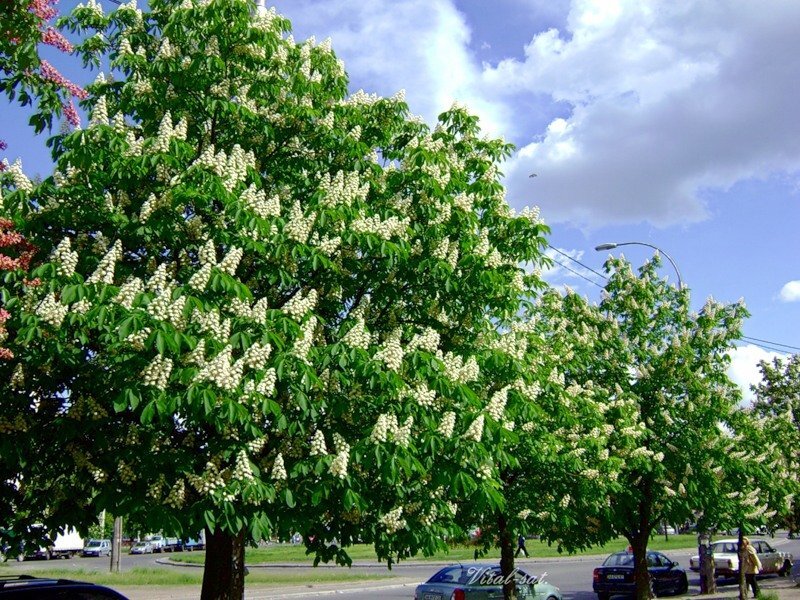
(28, 587)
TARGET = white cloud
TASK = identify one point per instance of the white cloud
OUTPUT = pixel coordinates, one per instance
(744, 370)
(791, 291)
(663, 103)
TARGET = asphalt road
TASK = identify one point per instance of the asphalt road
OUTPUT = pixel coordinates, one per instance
(573, 575)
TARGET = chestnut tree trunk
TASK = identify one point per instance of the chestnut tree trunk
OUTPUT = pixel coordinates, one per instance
(223, 576)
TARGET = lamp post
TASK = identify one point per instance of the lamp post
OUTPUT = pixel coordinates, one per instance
(612, 245)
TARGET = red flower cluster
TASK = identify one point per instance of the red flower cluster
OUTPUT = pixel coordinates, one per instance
(10, 238)
(51, 37)
(25, 250)
(44, 9)
(50, 73)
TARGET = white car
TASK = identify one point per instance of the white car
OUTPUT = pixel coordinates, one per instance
(726, 558)
(157, 542)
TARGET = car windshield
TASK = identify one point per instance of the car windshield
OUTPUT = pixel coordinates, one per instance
(93, 544)
(621, 559)
(141, 544)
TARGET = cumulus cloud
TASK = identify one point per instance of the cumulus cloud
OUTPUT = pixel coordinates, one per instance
(665, 103)
(744, 370)
(791, 292)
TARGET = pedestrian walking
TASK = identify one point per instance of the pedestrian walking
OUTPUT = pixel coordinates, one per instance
(751, 565)
(521, 546)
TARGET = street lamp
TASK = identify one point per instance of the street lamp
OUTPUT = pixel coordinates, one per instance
(612, 245)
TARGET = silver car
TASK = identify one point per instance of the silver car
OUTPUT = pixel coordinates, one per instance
(474, 581)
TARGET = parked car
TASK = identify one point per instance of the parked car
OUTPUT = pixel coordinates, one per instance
(615, 575)
(666, 529)
(57, 545)
(97, 548)
(27, 587)
(473, 581)
(143, 547)
(172, 544)
(795, 574)
(726, 558)
(158, 542)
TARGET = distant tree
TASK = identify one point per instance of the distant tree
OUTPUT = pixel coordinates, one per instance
(671, 371)
(263, 301)
(778, 402)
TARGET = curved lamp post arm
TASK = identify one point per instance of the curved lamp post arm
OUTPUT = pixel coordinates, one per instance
(612, 245)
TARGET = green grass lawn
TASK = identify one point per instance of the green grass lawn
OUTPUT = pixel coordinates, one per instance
(290, 553)
(173, 577)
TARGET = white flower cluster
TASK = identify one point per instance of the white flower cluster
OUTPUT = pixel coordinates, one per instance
(51, 310)
(99, 112)
(299, 226)
(232, 169)
(138, 338)
(484, 471)
(329, 245)
(391, 352)
(513, 345)
(156, 374)
(357, 336)
(177, 495)
(256, 356)
(125, 473)
(165, 50)
(200, 278)
(497, 404)
(300, 304)
(105, 269)
(134, 142)
(242, 470)
(151, 205)
(384, 229)
(278, 469)
(342, 458)
(67, 259)
(387, 427)
(475, 430)
(342, 189)
(164, 308)
(429, 518)
(212, 323)
(208, 253)
(393, 520)
(423, 395)
(318, 447)
(165, 133)
(464, 201)
(459, 371)
(524, 513)
(427, 340)
(221, 372)
(99, 475)
(231, 261)
(302, 345)
(21, 181)
(448, 424)
(210, 480)
(256, 200)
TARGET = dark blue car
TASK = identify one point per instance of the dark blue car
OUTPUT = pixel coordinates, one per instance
(615, 576)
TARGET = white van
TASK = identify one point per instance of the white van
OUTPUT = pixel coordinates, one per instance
(97, 548)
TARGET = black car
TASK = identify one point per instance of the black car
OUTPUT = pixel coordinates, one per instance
(27, 587)
(615, 576)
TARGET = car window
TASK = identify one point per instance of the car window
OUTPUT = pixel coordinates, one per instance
(621, 559)
(766, 548)
(653, 560)
(447, 575)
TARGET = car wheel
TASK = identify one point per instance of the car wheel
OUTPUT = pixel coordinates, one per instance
(785, 569)
(684, 586)
(603, 596)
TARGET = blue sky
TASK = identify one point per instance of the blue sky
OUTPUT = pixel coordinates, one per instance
(673, 124)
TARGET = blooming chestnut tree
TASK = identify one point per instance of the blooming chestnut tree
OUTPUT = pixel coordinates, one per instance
(550, 428)
(263, 300)
(671, 370)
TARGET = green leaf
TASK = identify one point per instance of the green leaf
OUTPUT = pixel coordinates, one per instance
(289, 498)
